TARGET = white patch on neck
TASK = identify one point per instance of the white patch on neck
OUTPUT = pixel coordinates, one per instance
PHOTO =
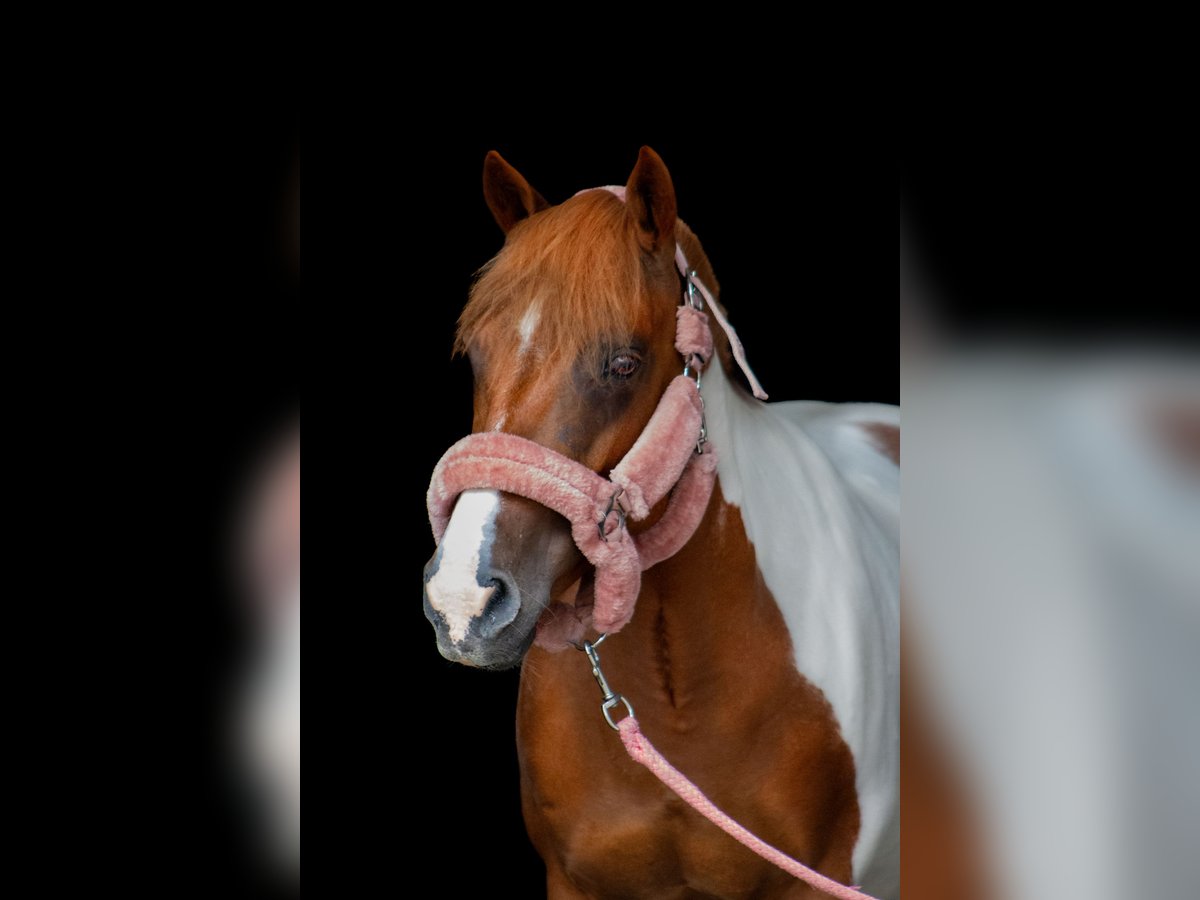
(454, 590)
(825, 525)
(500, 422)
(528, 325)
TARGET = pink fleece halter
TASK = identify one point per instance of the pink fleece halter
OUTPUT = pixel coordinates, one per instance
(670, 455)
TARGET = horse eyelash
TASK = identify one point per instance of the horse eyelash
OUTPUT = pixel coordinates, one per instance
(611, 375)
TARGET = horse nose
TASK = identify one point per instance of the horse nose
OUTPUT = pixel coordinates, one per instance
(468, 613)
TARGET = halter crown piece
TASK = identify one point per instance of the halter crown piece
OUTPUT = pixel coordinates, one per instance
(672, 454)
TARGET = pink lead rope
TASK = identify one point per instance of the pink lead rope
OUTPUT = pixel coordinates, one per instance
(642, 751)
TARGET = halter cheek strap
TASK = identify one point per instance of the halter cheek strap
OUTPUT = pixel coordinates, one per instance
(670, 456)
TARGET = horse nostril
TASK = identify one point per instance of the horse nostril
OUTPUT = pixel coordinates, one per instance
(502, 607)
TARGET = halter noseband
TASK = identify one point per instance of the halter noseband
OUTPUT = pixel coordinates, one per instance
(671, 455)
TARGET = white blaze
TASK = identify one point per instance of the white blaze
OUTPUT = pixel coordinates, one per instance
(454, 590)
(528, 325)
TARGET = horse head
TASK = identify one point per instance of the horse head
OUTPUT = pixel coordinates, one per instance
(570, 330)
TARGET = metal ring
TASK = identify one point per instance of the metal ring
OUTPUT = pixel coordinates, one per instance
(613, 501)
(589, 647)
(608, 705)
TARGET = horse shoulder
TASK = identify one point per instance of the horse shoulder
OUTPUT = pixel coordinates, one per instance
(821, 506)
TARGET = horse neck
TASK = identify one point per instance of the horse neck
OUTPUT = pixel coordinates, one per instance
(705, 619)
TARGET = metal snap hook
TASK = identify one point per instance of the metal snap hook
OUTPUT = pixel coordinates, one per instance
(611, 698)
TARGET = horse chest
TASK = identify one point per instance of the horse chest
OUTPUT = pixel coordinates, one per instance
(624, 836)
(726, 706)
(609, 828)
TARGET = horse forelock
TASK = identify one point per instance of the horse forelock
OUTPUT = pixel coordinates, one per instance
(568, 279)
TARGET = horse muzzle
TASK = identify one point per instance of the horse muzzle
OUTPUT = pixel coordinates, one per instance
(500, 559)
(489, 640)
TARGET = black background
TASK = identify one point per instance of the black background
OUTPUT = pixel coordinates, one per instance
(1068, 224)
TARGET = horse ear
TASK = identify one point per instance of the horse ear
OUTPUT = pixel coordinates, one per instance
(508, 194)
(650, 197)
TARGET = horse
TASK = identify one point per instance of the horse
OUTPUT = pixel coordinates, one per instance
(763, 656)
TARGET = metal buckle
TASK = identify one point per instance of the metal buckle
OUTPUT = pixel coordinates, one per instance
(693, 295)
(693, 299)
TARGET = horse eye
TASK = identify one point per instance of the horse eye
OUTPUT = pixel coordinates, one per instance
(622, 365)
